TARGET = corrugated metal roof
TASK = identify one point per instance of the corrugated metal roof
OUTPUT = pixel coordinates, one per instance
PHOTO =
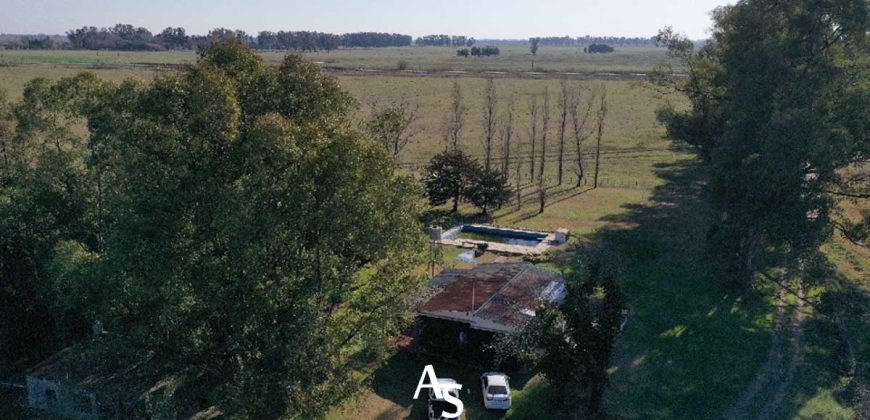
(504, 295)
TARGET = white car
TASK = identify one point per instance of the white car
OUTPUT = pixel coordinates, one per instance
(496, 391)
(437, 406)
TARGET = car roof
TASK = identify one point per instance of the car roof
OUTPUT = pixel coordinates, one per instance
(445, 381)
(493, 378)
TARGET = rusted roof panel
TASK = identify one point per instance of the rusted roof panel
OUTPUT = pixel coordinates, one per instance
(505, 295)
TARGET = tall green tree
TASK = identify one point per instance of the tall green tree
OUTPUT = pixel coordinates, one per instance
(449, 175)
(572, 341)
(285, 238)
(488, 189)
(48, 195)
(226, 218)
(778, 112)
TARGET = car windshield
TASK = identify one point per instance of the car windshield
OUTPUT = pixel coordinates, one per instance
(497, 390)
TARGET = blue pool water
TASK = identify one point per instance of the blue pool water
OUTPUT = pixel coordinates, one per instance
(502, 236)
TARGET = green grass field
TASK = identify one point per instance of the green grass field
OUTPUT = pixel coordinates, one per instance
(430, 59)
(632, 145)
(690, 345)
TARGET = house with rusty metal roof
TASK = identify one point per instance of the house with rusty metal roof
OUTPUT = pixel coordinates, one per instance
(497, 298)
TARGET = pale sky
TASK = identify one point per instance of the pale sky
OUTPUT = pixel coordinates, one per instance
(479, 18)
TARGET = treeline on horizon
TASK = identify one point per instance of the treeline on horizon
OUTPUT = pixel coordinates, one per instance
(567, 41)
(126, 37)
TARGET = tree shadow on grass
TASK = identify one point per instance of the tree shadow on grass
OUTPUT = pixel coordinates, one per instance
(446, 218)
(552, 198)
(834, 367)
(690, 344)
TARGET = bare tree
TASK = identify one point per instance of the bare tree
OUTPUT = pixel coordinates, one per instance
(507, 134)
(579, 125)
(563, 119)
(518, 182)
(489, 123)
(602, 113)
(455, 119)
(390, 124)
(533, 135)
(545, 119)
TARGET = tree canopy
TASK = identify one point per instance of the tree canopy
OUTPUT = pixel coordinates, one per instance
(226, 217)
(778, 112)
(572, 342)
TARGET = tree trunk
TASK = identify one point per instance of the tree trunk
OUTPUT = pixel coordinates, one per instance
(563, 107)
(533, 134)
(519, 191)
(597, 157)
(602, 113)
(596, 395)
(750, 246)
(507, 137)
(544, 128)
(488, 123)
(532, 162)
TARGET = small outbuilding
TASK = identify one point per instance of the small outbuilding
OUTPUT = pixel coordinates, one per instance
(101, 377)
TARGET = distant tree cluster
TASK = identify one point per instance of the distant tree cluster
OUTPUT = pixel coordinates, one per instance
(566, 41)
(31, 42)
(118, 37)
(128, 37)
(598, 48)
(444, 41)
(297, 40)
(316, 41)
(478, 51)
(375, 39)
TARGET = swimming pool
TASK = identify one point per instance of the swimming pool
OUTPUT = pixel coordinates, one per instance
(498, 235)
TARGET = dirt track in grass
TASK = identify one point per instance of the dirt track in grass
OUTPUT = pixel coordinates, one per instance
(763, 396)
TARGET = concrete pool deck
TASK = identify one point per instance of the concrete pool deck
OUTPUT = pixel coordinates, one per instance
(449, 237)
